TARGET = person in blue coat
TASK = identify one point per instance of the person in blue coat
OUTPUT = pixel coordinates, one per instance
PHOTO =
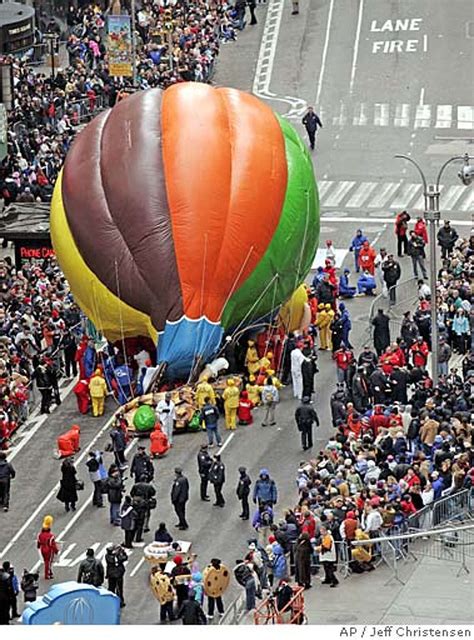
(346, 325)
(279, 563)
(366, 284)
(345, 289)
(90, 359)
(356, 245)
(318, 276)
(265, 489)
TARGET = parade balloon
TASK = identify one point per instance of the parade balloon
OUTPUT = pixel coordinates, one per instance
(144, 418)
(183, 213)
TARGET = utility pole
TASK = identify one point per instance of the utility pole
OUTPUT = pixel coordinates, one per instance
(432, 216)
(134, 47)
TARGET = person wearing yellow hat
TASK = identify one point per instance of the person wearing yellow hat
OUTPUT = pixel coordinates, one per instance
(46, 543)
(98, 391)
(254, 391)
(266, 361)
(251, 358)
(204, 390)
(231, 397)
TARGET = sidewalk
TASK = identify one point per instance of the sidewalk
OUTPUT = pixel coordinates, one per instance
(432, 594)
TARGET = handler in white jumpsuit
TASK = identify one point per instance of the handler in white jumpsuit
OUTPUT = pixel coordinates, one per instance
(297, 359)
(166, 414)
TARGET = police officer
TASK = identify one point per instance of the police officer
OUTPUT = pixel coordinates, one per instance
(204, 464)
(217, 478)
(243, 491)
(179, 497)
(305, 415)
(143, 494)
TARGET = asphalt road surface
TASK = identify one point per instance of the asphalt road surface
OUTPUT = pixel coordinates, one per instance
(373, 103)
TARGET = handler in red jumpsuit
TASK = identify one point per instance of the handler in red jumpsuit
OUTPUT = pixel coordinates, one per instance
(79, 357)
(367, 258)
(159, 444)
(46, 543)
(81, 390)
(244, 411)
(68, 443)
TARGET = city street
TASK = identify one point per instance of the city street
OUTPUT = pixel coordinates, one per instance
(385, 77)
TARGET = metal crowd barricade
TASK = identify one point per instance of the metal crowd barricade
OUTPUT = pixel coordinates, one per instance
(235, 611)
(406, 296)
(457, 506)
(344, 558)
(80, 110)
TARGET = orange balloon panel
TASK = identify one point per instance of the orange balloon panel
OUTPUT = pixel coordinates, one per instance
(226, 178)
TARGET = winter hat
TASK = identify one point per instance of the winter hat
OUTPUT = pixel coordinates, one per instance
(252, 546)
(178, 560)
(48, 522)
(350, 514)
(271, 539)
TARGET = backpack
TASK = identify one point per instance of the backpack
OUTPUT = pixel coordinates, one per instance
(242, 574)
(91, 576)
(266, 519)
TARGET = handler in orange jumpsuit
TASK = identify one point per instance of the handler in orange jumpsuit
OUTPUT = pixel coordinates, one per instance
(46, 543)
(159, 444)
(367, 258)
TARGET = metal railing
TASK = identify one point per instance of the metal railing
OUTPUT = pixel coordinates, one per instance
(396, 301)
(235, 611)
(457, 506)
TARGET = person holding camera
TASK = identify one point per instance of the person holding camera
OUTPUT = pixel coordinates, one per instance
(115, 559)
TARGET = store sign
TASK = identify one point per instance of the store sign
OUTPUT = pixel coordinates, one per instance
(16, 31)
(119, 45)
(32, 251)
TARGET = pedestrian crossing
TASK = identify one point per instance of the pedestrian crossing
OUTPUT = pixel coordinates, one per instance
(386, 114)
(351, 194)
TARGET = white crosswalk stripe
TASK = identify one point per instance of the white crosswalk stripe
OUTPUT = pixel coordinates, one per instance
(361, 194)
(451, 196)
(444, 116)
(391, 196)
(334, 199)
(405, 195)
(384, 114)
(423, 116)
(468, 203)
(385, 191)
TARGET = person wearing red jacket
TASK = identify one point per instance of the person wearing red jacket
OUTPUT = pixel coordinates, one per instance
(79, 357)
(46, 543)
(378, 420)
(244, 411)
(308, 524)
(343, 358)
(419, 351)
(159, 444)
(420, 229)
(367, 256)
(401, 228)
(388, 360)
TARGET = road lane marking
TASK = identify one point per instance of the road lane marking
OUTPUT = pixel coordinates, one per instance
(323, 187)
(402, 115)
(451, 196)
(444, 116)
(53, 491)
(468, 203)
(228, 441)
(360, 118)
(137, 567)
(422, 96)
(361, 194)
(423, 116)
(356, 46)
(325, 52)
(465, 117)
(406, 195)
(370, 220)
(338, 194)
(386, 191)
(381, 114)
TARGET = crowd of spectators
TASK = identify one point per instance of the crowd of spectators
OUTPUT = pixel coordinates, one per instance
(47, 110)
(38, 322)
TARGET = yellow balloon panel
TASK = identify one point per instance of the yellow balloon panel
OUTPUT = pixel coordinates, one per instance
(292, 313)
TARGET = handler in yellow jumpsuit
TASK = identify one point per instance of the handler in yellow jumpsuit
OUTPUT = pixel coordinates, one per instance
(266, 361)
(204, 390)
(323, 322)
(251, 358)
(231, 397)
(98, 391)
(253, 391)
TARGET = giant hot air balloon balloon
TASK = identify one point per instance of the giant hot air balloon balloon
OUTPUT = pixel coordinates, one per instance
(181, 213)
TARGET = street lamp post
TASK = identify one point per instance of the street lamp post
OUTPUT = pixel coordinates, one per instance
(134, 45)
(432, 215)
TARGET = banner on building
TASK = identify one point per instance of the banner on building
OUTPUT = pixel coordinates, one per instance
(119, 45)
